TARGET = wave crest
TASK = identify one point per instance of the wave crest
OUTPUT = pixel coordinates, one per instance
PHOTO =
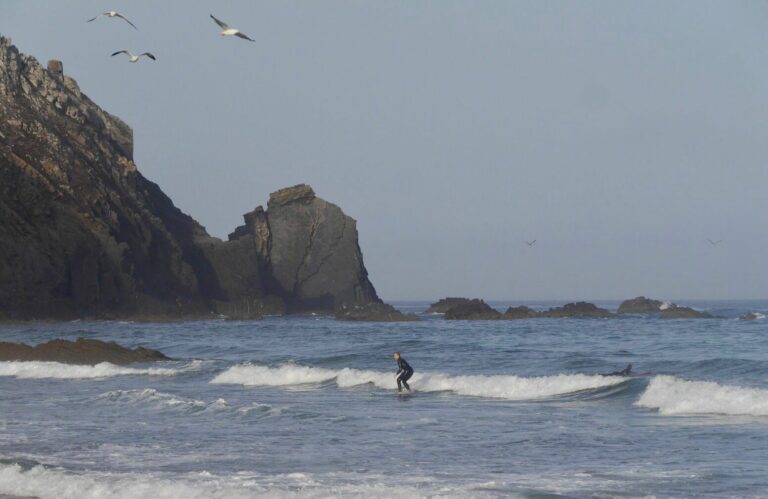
(507, 387)
(56, 370)
(671, 395)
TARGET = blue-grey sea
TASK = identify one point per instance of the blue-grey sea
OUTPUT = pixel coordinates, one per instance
(307, 407)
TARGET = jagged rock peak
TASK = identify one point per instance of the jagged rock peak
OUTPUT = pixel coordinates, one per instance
(298, 193)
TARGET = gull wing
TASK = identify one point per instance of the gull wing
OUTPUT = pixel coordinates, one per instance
(121, 52)
(150, 56)
(102, 14)
(126, 20)
(243, 35)
(221, 24)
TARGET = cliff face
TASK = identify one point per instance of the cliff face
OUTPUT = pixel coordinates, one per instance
(83, 233)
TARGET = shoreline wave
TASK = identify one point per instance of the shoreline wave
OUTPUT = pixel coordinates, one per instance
(36, 369)
(675, 396)
(507, 387)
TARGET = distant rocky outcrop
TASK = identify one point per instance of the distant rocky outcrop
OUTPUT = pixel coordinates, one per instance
(475, 310)
(521, 312)
(677, 312)
(640, 305)
(82, 351)
(84, 234)
(373, 312)
(442, 305)
(578, 309)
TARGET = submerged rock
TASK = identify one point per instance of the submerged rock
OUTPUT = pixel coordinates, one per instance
(475, 310)
(640, 305)
(749, 316)
(373, 312)
(677, 312)
(441, 306)
(578, 309)
(82, 351)
(521, 312)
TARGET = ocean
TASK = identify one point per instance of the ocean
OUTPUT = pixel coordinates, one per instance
(307, 407)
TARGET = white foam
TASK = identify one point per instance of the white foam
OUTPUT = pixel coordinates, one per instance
(39, 369)
(57, 484)
(671, 395)
(153, 397)
(507, 387)
(666, 305)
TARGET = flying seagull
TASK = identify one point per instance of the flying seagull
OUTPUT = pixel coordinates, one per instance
(530, 243)
(134, 58)
(714, 243)
(112, 13)
(227, 31)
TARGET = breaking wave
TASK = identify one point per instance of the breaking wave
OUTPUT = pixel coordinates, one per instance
(671, 395)
(56, 370)
(46, 483)
(507, 387)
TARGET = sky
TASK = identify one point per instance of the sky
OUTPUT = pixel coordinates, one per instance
(621, 135)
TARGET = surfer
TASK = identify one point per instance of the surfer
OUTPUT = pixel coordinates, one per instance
(404, 373)
(627, 371)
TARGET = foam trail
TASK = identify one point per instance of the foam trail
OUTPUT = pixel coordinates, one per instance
(671, 395)
(507, 387)
(40, 369)
(48, 483)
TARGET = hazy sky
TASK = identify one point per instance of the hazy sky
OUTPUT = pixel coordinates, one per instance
(619, 134)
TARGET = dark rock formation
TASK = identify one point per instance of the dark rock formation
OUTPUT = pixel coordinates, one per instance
(521, 312)
(676, 312)
(84, 234)
(640, 305)
(578, 309)
(473, 310)
(441, 306)
(749, 316)
(82, 351)
(372, 312)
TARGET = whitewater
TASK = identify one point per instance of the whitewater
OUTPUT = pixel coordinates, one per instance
(307, 407)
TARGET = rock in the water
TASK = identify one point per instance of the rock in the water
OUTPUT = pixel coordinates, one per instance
(578, 309)
(677, 312)
(443, 304)
(373, 312)
(82, 351)
(521, 312)
(473, 310)
(640, 305)
(749, 316)
(84, 234)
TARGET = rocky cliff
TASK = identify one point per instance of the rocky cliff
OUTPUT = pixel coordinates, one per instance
(83, 233)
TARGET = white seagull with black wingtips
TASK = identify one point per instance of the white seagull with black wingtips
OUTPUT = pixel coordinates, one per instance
(134, 58)
(227, 31)
(112, 13)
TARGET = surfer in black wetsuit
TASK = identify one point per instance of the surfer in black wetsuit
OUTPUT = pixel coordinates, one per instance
(404, 373)
(624, 372)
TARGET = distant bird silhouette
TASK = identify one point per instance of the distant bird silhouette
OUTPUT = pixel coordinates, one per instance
(530, 243)
(714, 243)
(134, 58)
(227, 31)
(112, 13)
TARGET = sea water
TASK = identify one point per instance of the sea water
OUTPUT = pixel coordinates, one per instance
(307, 407)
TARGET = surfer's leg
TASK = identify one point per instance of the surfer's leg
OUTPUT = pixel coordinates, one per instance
(400, 383)
(405, 379)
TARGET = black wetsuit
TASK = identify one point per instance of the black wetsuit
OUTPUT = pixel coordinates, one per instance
(404, 373)
(627, 371)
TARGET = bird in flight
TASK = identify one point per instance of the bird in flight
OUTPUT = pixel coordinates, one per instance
(134, 58)
(530, 243)
(112, 13)
(714, 243)
(227, 31)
